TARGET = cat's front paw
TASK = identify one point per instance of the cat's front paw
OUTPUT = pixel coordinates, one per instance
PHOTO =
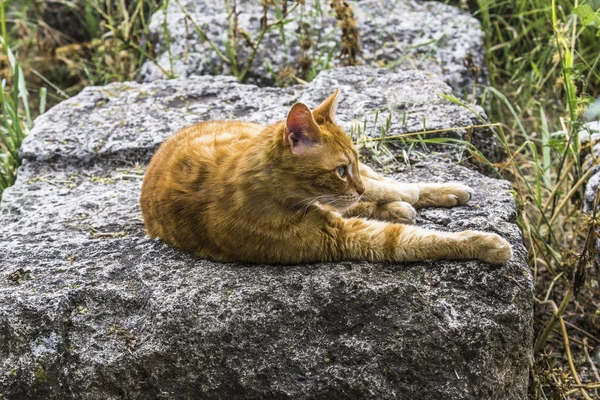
(462, 193)
(491, 248)
(447, 194)
(397, 211)
(454, 194)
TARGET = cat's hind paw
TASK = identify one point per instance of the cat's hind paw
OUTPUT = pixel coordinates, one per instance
(460, 193)
(492, 248)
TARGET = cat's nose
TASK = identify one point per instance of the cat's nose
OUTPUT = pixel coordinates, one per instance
(360, 190)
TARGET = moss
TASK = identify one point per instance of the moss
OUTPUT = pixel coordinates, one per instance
(142, 96)
(97, 147)
(36, 179)
(110, 93)
(102, 180)
(40, 373)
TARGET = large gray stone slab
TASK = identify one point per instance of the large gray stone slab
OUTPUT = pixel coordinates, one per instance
(428, 36)
(90, 308)
(133, 119)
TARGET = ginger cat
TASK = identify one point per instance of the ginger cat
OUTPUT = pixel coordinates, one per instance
(294, 192)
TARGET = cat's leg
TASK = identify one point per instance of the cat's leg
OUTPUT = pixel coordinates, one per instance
(359, 239)
(322, 235)
(394, 211)
(382, 189)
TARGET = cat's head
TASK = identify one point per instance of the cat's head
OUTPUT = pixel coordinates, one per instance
(321, 155)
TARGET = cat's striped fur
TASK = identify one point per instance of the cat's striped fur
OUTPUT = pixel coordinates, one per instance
(294, 192)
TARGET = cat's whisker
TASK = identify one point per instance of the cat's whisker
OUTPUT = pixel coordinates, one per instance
(301, 201)
(334, 199)
(311, 201)
(305, 209)
(338, 202)
(326, 199)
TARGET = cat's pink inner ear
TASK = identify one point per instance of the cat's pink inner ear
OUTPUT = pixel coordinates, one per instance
(301, 129)
(325, 112)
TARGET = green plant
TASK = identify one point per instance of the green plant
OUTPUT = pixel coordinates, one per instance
(543, 58)
(15, 115)
(235, 35)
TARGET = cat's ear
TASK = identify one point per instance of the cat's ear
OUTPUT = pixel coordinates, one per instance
(326, 110)
(301, 130)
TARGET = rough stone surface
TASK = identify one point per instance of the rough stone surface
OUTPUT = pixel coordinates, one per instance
(90, 308)
(369, 97)
(428, 36)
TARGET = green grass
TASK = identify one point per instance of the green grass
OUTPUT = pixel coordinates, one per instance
(543, 59)
(15, 117)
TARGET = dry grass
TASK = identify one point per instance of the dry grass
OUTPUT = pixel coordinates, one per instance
(543, 59)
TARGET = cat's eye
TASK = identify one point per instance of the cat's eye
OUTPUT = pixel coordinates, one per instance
(342, 171)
